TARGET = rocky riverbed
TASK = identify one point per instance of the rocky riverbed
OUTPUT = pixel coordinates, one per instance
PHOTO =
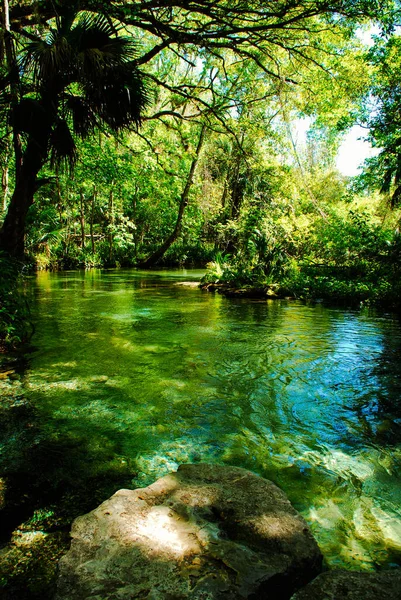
(205, 532)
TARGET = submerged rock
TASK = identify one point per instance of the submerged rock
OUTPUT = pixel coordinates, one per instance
(351, 585)
(204, 532)
(270, 292)
(189, 284)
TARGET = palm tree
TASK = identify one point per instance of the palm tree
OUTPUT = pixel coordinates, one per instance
(83, 76)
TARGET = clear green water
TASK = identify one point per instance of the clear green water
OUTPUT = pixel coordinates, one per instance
(138, 370)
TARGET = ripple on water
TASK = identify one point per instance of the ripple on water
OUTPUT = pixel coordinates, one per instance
(136, 368)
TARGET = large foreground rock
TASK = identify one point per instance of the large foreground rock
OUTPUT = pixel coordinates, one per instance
(204, 532)
(350, 585)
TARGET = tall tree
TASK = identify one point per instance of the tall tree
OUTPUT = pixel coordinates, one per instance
(278, 36)
(383, 171)
(184, 199)
(81, 76)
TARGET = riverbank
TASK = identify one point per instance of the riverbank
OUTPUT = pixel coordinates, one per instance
(15, 324)
(340, 292)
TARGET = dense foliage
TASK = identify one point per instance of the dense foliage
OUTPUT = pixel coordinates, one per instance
(382, 115)
(140, 134)
(14, 310)
(166, 133)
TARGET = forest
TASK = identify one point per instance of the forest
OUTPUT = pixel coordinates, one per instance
(166, 134)
(154, 152)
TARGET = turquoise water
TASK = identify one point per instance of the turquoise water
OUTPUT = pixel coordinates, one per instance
(141, 373)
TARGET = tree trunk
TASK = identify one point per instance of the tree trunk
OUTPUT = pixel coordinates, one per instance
(92, 219)
(27, 163)
(82, 218)
(9, 50)
(135, 231)
(156, 256)
(12, 233)
(4, 181)
(111, 222)
(224, 194)
(236, 186)
(236, 196)
(304, 178)
(5, 54)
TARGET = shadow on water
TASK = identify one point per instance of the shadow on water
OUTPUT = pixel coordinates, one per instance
(133, 375)
(49, 476)
(45, 470)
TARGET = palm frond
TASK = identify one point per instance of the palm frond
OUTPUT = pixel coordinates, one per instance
(88, 74)
(95, 22)
(97, 32)
(49, 59)
(63, 151)
(96, 57)
(98, 48)
(79, 52)
(119, 97)
(51, 236)
(84, 120)
(4, 82)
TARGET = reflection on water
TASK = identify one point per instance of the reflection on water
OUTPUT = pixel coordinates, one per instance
(141, 371)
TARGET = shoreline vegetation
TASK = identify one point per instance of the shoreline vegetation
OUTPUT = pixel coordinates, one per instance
(319, 287)
(15, 324)
(147, 157)
(376, 285)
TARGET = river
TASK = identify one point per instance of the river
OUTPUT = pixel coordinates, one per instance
(133, 373)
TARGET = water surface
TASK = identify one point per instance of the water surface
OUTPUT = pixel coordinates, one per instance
(142, 373)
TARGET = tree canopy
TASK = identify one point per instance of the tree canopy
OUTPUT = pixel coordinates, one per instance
(80, 77)
(257, 30)
(202, 97)
(381, 114)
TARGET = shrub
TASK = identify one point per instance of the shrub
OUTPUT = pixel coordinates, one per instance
(15, 326)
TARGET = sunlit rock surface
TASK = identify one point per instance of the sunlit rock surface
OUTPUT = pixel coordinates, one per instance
(206, 531)
(349, 585)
